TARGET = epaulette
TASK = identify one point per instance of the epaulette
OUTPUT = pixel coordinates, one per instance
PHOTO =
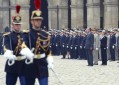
(46, 32)
(25, 31)
(6, 33)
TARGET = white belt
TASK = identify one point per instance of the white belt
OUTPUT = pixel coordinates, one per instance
(19, 58)
(39, 56)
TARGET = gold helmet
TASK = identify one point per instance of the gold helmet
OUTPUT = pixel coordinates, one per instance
(17, 18)
(37, 14)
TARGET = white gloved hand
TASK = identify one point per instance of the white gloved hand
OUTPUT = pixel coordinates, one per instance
(27, 52)
(113, 46)
(97, 49)
(75, 48)
(9, 55)
(50, 62)
(71, 47)
(80, 46)
(107, 47)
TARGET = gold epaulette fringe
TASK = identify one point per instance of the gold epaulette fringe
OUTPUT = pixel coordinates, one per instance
(6, 33)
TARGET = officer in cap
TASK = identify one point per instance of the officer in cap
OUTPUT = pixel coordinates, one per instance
(13, 42)
(38, 41)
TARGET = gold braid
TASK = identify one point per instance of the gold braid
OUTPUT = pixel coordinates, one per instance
(18, 45)
(38, 44)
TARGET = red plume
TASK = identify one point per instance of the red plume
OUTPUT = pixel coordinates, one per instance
(37, 4)
(18, 7)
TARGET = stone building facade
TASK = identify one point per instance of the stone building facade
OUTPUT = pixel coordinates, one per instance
(85, 13)
(67, 13)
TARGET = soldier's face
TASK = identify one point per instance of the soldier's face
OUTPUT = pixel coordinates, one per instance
(36, 23)
(87, 30)
(16, 27)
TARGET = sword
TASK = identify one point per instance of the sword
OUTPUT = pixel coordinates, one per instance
(56, 76)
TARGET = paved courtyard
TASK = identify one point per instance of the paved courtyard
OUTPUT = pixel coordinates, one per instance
(75, 72)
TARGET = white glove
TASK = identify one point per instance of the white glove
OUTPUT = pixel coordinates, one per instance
(50, 62)
(28, 53)
(9, 55)
(63, 45)
(97, 49)
(107, 47)
(71, 47)
(67, 47)
(11, 58)
(113, 47)
(56, 45)
(75, 48)
(80, 46)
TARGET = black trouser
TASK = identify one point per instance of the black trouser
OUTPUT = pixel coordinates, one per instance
(112, 52)
(104, 56)
(11, 79)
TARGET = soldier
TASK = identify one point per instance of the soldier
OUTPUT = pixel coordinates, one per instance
(67, 45)
(63, 45)
(76, 45)
(71, 46)
(38, 41)
(103, 46)
(58, 43)
(89, 46)
(79, 44)
(83, 51)
(112, 46)
(13, 42)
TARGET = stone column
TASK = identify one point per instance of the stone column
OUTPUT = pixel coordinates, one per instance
(63, 14)
(4, 14)
(24, 11)
(110, 14)
(52, 14)
(77, 13)
(93, 13)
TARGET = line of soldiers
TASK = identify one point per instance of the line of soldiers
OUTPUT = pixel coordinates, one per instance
(72, 44)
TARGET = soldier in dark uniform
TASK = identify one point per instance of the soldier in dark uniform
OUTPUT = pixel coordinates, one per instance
(67, 45)
(13, 42)
(76, 45)
(63, 45)
(83, 53)
(72, 46)
(58, 43)
(80, 45)
(112, 45)
(103, 46)
(38, 41)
